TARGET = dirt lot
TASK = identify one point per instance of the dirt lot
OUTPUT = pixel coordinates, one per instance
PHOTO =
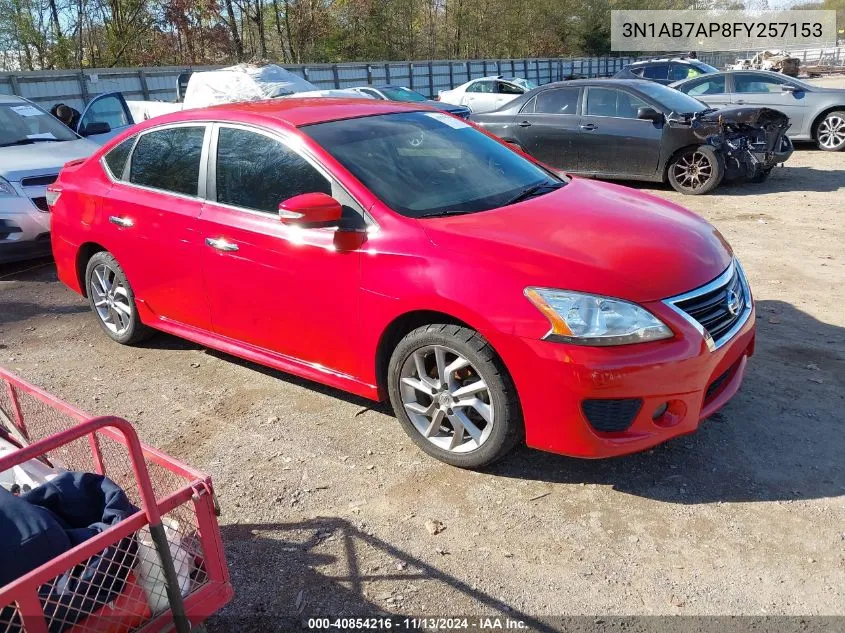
(325, 500)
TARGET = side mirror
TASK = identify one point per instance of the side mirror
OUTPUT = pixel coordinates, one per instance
(95, 127)
(310, 208)
(650, 114)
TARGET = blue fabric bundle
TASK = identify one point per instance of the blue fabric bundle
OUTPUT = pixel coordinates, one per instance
(53, 518)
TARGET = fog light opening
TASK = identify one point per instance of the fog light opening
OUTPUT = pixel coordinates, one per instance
(659, 411)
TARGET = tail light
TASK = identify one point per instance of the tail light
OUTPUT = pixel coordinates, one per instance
(52, 195)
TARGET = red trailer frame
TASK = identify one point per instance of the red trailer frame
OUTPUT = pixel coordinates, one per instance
(177, 508)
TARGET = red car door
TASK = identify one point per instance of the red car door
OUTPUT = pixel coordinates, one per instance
(150, 219)
(282, 288)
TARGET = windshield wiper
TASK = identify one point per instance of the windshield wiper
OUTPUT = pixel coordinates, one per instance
(28, 141)
(440, 214)
(533, 190)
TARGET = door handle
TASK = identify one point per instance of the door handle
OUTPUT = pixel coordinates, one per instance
(221, 244)
(124, 222)
(740, 101)
(525, 124)
(589, 127)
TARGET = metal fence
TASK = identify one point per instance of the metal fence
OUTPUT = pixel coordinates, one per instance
(76, 88)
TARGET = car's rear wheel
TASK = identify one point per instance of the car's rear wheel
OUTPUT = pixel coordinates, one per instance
(453, 396)
(830, 132)
(696, 170)
(112, 300)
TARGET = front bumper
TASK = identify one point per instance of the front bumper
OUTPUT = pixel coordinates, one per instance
(553, 381)
(24, 230)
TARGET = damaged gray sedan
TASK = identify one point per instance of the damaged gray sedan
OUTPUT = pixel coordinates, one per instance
(640, 130)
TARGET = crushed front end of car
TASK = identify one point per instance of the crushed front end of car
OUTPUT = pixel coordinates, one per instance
(752, 140)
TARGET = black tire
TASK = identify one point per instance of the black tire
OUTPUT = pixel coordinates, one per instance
(685, 169)
(135, 331)
(836, 122)
(507, 428)
(763, 176)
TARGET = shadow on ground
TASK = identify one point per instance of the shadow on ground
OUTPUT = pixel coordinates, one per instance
(295, 553)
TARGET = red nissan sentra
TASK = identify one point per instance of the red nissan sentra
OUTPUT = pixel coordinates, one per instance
(398, 252)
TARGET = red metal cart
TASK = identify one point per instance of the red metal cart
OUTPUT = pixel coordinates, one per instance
(176, 576)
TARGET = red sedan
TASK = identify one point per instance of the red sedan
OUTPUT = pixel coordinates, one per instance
(398, 252)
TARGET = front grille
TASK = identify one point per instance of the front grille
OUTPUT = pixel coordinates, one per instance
(611, 416)
(718, 306)
(39, 181)
(41, 203)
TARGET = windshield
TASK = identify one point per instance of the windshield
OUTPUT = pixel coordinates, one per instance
(525, 83)
(428, 163)
(402, 94)
(24, 123)
(671, 99)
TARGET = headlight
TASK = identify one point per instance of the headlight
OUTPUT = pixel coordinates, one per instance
(595, 320)
(6, 190)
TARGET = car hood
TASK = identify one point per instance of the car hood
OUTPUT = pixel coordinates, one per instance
(39, 159)
(593, 237)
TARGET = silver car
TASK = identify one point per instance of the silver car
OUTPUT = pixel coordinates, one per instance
(33, 147)
(815, 113)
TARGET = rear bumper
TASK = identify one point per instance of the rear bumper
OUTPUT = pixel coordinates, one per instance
(554, 380)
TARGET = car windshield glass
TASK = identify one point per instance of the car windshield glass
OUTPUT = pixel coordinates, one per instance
(23, 123)
(402, 94)
(525, 83)
(705, 68)
(672, 99)
(428, 163)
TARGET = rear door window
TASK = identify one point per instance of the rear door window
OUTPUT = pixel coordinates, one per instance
(169, 159)
(558, 101)
(482, 86)
(116, 157)
(656, 71)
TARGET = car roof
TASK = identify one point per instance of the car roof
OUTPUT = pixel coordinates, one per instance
(609, 81)
(289, 111)
(664, 60)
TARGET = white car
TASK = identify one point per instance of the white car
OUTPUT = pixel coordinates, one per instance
(487, 93)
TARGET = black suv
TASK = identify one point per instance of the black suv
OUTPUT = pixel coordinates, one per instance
(665, 71)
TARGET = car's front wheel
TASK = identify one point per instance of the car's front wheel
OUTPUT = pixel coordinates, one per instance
(830, 132)
(112, 300)
(453, 395)
(695, 171)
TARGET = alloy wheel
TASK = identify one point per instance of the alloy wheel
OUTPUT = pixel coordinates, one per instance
(832, 131)
(694, 171)
(446, 399)
(111, 299)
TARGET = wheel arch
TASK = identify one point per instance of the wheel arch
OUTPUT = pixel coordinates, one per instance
(397, 329)
(83, 256)
(674, 155)
(820, 117)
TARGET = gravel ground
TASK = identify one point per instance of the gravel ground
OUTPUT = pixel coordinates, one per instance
(325, 501)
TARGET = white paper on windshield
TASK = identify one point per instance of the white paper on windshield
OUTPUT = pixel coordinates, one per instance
(448, 120)
(49, 135)
(27, 110)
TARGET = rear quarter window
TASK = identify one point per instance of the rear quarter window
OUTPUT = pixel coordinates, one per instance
(115, 159)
